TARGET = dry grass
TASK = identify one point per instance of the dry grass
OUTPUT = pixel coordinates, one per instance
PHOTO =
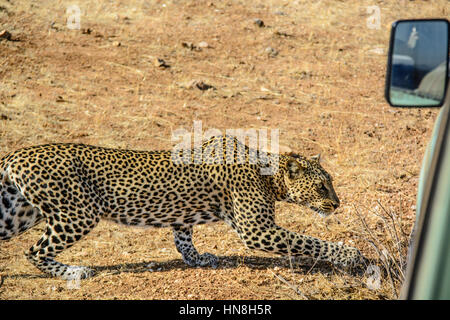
(323, 90)
(390, 243)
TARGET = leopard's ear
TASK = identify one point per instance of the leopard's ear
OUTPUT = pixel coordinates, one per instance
(294, 155)
(316, 158)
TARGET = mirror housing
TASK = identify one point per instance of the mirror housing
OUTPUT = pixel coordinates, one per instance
(418, 63)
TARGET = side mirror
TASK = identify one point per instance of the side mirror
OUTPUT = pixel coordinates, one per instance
(418, 63)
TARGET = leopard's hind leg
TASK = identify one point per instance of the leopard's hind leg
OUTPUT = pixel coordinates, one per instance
(65, 225)
(58, 236)
(68, 218)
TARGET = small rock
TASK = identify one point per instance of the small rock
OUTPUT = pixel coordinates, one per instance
(271, 52)
(4, 34)
(86, 31)
(197, 84)
(160, 63)
(55, 26)
(116, 44)
(203, 44)
(283, 34)
(190, 46)
(259, 23)
(203, 86)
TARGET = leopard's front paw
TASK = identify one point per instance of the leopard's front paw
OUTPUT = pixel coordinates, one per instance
(202, 260)
(208, 259)
(349, 257)
(77, 273)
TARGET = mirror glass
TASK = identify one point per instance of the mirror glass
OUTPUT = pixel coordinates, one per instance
(418, 63)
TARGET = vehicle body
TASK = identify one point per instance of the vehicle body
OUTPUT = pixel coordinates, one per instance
(418, 76)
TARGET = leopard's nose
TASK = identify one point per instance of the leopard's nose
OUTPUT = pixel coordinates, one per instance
(336, 205)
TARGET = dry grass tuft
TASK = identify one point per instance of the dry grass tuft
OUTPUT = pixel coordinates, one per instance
(390, 242)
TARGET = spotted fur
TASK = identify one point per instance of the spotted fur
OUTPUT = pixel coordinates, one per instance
(72, 186)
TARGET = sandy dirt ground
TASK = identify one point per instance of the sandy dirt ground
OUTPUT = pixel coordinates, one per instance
(314, 70)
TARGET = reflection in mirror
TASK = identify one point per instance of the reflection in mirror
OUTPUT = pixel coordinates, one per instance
(419, 63)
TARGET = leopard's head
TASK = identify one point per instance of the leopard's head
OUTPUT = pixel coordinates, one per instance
(307, 183)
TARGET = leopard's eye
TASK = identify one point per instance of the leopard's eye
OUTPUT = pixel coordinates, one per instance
(321, 186)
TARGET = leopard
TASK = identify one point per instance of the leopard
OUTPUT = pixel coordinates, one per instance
(72, 186)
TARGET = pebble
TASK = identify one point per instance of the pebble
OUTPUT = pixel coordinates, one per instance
(203, 44)
(203, 86)
(86, 31)
(259, 23)
(271, 52)
(199, 84)
(189, 45)
(160, 63)
(4, 34)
